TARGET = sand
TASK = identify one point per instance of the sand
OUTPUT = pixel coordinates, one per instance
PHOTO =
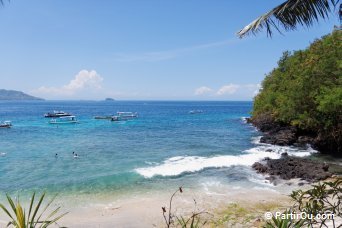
(145, 210)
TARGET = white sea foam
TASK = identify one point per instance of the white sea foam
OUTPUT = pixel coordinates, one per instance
(182, 164)
(244, 119)
(172, 167)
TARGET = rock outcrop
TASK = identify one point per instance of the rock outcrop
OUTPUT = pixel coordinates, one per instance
(288, 167)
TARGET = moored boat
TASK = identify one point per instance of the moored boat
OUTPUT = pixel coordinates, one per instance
(195, 111)
(64, 120)
(56, 114)
(116, 118)
(103, 117)
(127, 114)
(5, 124)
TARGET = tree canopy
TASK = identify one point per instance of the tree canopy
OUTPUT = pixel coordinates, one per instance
(305, 89)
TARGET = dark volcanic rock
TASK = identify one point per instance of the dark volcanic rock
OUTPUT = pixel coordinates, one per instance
(260, 167)
(282, 137)
(304, 139)
(264, 122)
(288, 167)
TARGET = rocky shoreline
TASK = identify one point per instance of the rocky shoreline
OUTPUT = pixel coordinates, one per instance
(283, 135)
(289, 167)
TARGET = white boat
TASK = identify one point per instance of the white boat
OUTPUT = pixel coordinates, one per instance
(5, 124)
(56, 114)
(195, 111)
(127, 114)
(64, 120)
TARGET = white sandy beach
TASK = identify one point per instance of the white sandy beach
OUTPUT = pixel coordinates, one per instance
(146, 210)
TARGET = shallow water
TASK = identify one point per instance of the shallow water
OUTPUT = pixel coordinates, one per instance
(164, 147)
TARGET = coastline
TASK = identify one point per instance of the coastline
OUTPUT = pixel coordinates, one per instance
(217, 181)
(144, 210)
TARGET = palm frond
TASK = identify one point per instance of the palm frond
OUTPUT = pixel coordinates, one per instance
(33, 219)
(289, 15)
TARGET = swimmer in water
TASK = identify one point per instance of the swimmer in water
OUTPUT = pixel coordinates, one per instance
(56, 155)
(76, 156)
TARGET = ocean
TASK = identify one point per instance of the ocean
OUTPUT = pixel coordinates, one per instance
(163, 148)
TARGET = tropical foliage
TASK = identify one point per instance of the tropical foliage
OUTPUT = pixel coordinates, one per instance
(34, 217)
(321, 206)
(290, 14)
(305, 90)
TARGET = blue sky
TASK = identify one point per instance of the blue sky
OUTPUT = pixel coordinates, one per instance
(140, 49)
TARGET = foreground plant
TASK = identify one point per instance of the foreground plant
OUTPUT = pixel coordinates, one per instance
(319, 206)
(193, 220)
(33, 218)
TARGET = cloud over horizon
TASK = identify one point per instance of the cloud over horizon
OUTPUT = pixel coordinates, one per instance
(230, 90)
(83, 81)
(203, 90)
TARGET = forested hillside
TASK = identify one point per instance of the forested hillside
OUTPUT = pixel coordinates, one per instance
(305, 91)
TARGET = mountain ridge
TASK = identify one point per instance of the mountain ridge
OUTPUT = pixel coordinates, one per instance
(12, 95)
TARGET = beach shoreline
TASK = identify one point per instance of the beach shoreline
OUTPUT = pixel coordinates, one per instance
(145, 210)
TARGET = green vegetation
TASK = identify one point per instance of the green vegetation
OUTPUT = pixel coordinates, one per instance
(318, 204)
(34, 218)
(313, 207)
(305, 91)
(291, 13)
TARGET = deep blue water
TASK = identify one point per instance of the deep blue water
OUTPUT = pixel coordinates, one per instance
(112, 153)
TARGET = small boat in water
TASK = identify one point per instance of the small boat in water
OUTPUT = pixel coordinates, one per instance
(117, 118)
(103, 117)
(64, 120)
(195, 111)
(56, 114)
(127, 114)
(5, 124)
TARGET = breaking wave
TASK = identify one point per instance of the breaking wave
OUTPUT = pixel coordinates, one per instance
(185, 164)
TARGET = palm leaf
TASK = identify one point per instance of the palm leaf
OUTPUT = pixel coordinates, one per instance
(37, 208)
(30, 209)
(53, 198)
(20, 216)
(54, 220)
(289, 15)
(19, 219)
(6, 211)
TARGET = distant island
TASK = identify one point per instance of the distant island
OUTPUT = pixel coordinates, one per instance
(13, 95)
(109, 99)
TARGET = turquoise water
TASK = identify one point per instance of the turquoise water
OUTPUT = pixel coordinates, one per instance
(164, 146)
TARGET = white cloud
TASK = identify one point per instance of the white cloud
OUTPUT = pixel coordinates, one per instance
(203, 90)
(84, 80)
(228, 89)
